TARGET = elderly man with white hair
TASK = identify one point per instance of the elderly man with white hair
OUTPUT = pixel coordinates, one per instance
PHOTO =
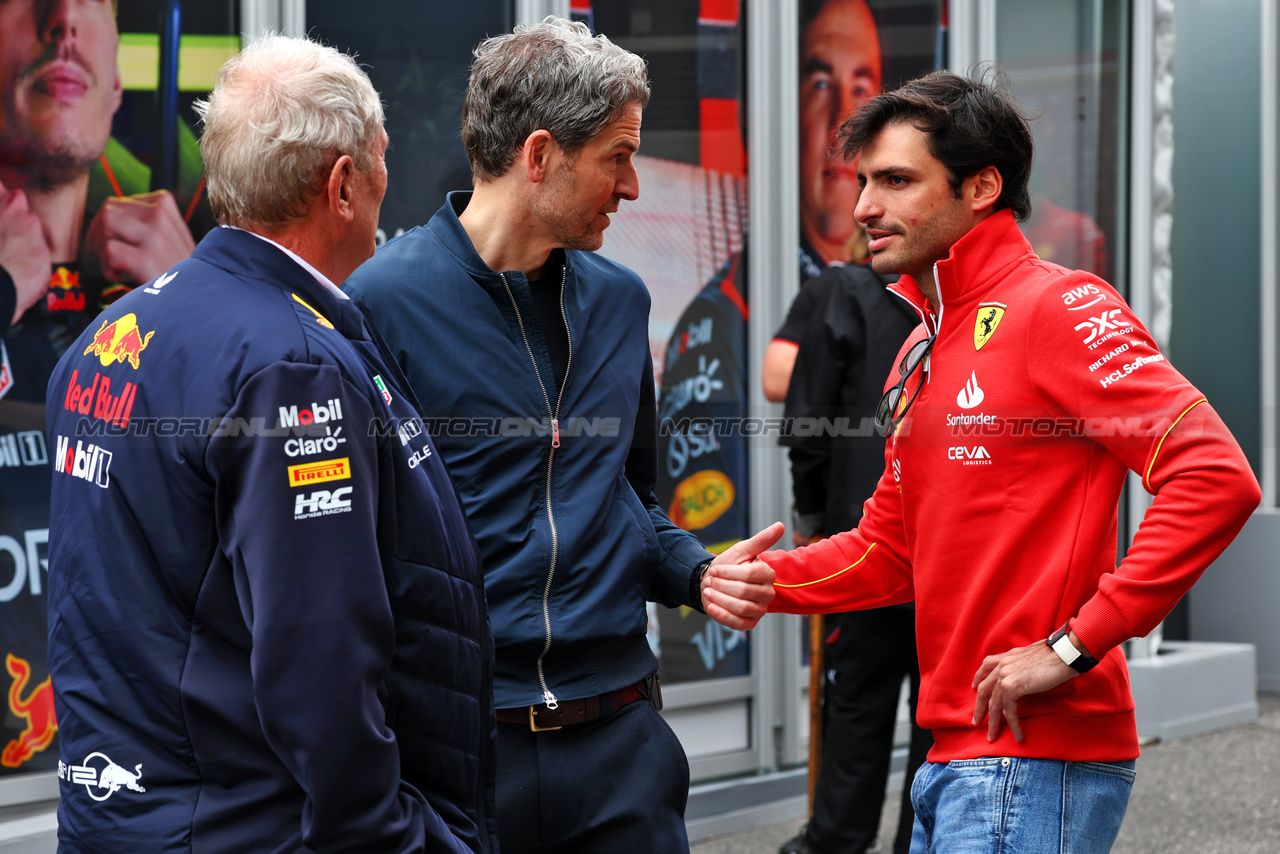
(267, 626)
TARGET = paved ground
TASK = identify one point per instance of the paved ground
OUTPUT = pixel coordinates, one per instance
(1212, 794)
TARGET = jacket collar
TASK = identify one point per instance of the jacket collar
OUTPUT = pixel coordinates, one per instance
(449, 231)
(245, 256)
(977, 261)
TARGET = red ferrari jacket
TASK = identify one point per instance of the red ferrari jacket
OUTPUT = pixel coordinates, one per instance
(997, 509)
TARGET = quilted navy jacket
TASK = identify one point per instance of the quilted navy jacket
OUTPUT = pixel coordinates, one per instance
(267, 628)
(557, 483)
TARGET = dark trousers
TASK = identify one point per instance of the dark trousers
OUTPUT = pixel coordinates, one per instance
(618, 784)
(866, 660)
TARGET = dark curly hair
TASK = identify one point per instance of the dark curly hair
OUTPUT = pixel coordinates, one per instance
(970, 124)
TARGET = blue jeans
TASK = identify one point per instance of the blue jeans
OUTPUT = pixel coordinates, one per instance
(1013, 805)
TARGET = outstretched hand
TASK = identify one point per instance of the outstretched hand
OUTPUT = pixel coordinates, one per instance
(737, 588)
(1004, 678)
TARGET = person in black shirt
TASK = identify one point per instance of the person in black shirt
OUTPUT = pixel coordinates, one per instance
(840, 67)
(846, 351)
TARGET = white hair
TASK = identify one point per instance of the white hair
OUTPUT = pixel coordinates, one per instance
(281, 114)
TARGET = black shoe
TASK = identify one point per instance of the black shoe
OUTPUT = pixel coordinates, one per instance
(798, 845)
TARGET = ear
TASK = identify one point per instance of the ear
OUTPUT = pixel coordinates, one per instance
(339, 189)
(983, 189)
(117, 88)
(536, 154)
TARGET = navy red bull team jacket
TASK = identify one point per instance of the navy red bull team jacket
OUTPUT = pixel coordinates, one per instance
(267, 628)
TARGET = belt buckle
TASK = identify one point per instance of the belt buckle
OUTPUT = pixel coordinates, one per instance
(533, 724)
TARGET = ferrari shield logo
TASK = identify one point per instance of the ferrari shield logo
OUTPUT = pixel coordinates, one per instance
(989, 316)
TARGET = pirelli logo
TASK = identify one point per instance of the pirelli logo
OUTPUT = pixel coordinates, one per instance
(307, 474)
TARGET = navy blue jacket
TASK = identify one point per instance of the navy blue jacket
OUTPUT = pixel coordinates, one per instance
(267, 629)
(572, 537)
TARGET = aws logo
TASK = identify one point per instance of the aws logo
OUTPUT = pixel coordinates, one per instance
(969, 456)
(36, 710)
(1086, 295)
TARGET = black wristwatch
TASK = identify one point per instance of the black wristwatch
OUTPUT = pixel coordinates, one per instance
(695, 584)
(1060, 643)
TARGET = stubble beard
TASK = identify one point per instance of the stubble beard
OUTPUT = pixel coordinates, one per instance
(49, 157)
(915, 251)
(572, 224)
(585, 240)
(49, 164)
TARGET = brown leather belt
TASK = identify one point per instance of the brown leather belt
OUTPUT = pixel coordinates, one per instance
(573, 712)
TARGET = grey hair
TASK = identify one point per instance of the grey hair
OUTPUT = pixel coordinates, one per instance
(551, 76)
(281, 114)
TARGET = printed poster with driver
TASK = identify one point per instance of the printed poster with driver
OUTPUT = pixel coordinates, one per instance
(95, 100)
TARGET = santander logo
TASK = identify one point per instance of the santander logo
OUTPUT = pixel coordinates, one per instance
(970, 396)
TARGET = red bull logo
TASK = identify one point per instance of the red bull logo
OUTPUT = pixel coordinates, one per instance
(64, 279)
(119, 341)
(36, 710)
(320, 318)
(97, 400)
(64, 291)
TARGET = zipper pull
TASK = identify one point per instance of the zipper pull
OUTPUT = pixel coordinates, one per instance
(555, 433)
(549, 699)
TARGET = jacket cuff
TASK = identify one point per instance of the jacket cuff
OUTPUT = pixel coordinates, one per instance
(1101, 626)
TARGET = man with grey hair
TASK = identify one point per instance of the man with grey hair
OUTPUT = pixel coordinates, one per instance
(531, 353)
(267, 628)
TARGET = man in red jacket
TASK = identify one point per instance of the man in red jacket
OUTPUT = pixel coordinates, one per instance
(1021, 403)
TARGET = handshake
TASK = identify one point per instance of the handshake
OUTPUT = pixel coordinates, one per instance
(738, 587)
